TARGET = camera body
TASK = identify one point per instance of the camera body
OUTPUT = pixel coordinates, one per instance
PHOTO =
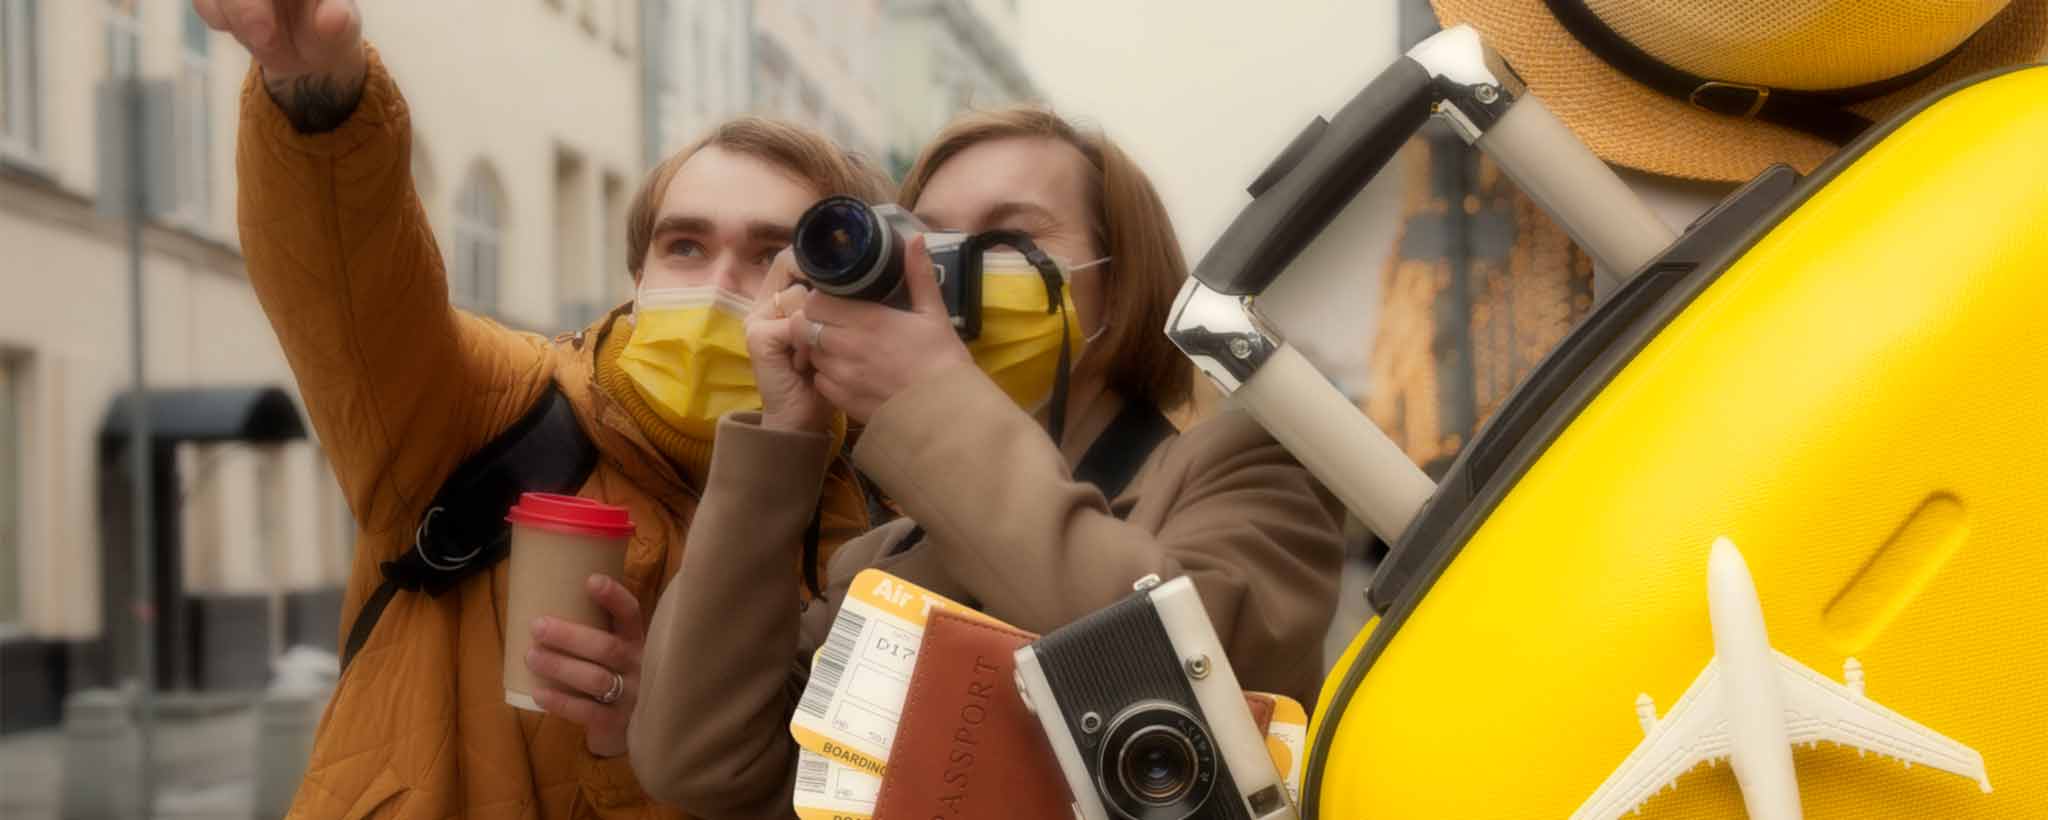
(851, 249)
(1145, 715)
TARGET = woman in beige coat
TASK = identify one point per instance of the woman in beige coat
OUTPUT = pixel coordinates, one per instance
(993, 515)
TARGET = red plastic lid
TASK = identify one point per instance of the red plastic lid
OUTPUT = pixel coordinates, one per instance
(569, 514)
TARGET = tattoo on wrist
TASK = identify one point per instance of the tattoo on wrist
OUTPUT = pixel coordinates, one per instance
(316, 103)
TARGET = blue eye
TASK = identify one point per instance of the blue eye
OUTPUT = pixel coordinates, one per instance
(685, 247)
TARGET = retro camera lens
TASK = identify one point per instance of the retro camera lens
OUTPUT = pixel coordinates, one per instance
(847, 250)
(1157, 763)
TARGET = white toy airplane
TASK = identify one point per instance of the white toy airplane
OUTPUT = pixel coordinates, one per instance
(1751, 705)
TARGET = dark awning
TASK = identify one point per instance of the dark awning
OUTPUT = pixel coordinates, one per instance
(210, 414)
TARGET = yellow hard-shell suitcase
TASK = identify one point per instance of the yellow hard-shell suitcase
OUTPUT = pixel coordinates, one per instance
(1850, 381)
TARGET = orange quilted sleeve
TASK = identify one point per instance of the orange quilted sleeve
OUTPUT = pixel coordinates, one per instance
(400, 385)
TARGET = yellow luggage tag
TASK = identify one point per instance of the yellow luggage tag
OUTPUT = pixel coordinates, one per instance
(861, 676)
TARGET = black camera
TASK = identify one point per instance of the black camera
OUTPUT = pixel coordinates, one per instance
(1145, 715)
(852, 249)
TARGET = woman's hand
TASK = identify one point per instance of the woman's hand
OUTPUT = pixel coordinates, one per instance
(776, 331)
(868, 352)
(590, 676)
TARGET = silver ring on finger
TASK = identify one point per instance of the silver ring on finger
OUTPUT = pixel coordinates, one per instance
(611, 695)
(818, 335)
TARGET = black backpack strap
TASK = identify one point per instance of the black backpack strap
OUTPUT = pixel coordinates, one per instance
(1112, 461)
(463, 532)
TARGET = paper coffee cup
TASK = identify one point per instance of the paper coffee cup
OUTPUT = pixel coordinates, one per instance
(558, 542)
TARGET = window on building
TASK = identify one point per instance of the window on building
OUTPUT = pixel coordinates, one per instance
(124, 37)
(615, 284)
(424, 183)
(573, 248)
(812, 107)
(195, 121)
(701, 70)
(20, 79)
(12, 465)
(479, 236)
(773, 77)
(622, 26)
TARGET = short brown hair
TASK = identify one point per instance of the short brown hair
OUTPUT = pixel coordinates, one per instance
(799, 150)
(1131, 227)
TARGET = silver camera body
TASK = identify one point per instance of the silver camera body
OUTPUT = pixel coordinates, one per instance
(1146, 717)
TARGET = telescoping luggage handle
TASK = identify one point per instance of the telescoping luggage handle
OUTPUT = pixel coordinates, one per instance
(1451, 75)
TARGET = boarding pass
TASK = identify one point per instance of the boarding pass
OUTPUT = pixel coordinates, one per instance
(861, 675)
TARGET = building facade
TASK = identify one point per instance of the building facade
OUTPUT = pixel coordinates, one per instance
(879, 77)
(525, 166)
(821, 64)
(698, 68)
(945, 57)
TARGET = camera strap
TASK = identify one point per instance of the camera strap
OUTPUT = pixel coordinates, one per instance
(464, 531)
(1055, 302)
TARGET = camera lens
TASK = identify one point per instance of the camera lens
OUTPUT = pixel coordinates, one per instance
(1156, 763)
(1159, 765)
(837, 237)
(844, 249)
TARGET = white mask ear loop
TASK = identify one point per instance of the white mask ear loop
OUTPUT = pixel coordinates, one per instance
(1070, 271)
(1103, 326)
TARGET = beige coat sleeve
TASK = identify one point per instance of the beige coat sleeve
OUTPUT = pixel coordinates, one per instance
(722, 669)
(1222, 504)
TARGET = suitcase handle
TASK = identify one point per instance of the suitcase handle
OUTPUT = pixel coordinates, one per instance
(1456, 77)
(1320, 172)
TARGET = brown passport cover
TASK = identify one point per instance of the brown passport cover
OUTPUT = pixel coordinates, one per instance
(966, 747)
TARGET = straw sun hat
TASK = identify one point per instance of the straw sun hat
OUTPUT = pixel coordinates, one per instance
(1720, 89)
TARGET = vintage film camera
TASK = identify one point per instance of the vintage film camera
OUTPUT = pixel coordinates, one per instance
(1145, 714)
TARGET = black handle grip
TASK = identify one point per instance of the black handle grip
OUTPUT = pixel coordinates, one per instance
(1292, 205)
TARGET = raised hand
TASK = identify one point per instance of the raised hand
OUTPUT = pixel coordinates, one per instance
(311, 52)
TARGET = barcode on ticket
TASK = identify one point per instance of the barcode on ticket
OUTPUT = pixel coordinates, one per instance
(812, 772)
(829, 667)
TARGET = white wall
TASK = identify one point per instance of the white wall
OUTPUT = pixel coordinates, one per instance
(1204, 93)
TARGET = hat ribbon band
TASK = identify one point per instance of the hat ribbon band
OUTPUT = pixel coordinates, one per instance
(1820, 113)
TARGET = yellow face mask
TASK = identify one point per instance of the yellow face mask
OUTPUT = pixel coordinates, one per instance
(688, 357)
(1019, 345)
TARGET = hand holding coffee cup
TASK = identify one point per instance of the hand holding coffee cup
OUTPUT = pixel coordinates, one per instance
(574, 634)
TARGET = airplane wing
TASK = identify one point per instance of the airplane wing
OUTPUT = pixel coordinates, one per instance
(1693, 731)
(1819, 709)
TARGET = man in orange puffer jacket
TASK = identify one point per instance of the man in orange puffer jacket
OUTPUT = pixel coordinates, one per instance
(402, 388)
